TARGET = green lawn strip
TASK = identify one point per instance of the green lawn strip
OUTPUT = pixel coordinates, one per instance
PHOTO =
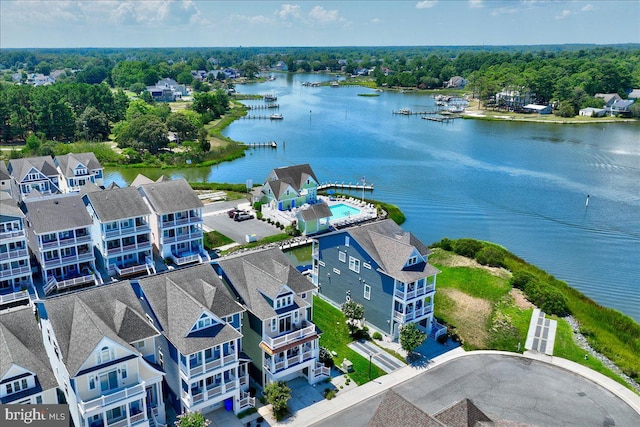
(473, 281)
(215, 239)
(391, 352)
(509, 326)
(336, 338)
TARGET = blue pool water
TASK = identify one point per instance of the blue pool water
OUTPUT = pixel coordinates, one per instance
(341, 210)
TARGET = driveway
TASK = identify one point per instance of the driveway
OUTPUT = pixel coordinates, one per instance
(214, 217)
(379, 357)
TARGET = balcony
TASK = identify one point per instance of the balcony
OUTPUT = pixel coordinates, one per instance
(14, 297)
(71, 241)
(215, 391)
(414, 314)
(181, 259)
(134, 269)
(53, 284)
(182, 221)
(321, 371)
(127, 231)
(13, 271)
(6, 235)
(415, 293)
(246, 401)
(140, 246)
(134, 392)
(308, 330)
(182, 237)
(208, 366)
(17, 253)
(275, 365)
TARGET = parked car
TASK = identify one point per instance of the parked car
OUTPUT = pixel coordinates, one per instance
(233, 212)
(242, 216)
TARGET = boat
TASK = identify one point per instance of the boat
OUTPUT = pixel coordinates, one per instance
(276, 117)
(335, 84)
(273, 144)
(270, 97)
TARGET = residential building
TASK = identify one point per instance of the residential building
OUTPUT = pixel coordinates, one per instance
(314, 219)
(77, 170)
(176, 220)
(37, 175)
(382, 267)
(25, 373)
(634, 94)
(103, 354)
(621, 108)
(536, 108)
(514, 99)
(59, 236)
(456, 82)
(290, 186)
(279, 334)
(592, 112)
(5, 178)
(609, 99)
(15, 271)
(121, 232)
(201, 339)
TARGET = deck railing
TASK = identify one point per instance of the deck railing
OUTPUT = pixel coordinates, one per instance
(289, 337)
(17, 253)
(102, 401)
(15, 296)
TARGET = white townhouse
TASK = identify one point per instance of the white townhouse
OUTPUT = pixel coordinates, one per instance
(25, 373)
(279, 334)
(102, 350)
(120, 231)
(76, 170)
(15, 267)
(59, 236)
(201, 339)
(33, 176)
(176, 222)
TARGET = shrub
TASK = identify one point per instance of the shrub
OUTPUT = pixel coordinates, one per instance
(467, 247)
(278, 395)
(520, 279)
(330, 394)
(442, 338)
(491, 256)
(377, 336)
(445, 244)
(546, 297)
(325, 357)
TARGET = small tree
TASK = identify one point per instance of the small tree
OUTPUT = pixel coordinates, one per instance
(278, 395)
(411, 337)
(353, 312)
(192, 419)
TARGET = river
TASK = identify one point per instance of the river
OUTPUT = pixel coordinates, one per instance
(521, 185)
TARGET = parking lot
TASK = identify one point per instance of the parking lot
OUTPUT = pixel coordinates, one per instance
(214, 216)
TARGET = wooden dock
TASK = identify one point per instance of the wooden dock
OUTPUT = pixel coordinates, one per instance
(345, 186)
(268, 144)
(260, 117)
(407, 112)
(263, 107)
(439, 118)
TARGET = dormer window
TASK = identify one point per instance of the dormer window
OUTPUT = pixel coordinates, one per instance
(284, 301)
(412, 260)
(106, 354)
(203, 322)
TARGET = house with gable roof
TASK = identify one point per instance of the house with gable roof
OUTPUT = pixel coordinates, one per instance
(25, 372)
(77, 170)
(382, 267)
(279, 334)
(290, 186)
(33, 174)
(201, 327)
(176, 220)
(120, 231)
(103, 354)
(15, 265)
(59, 236)
(5, 178)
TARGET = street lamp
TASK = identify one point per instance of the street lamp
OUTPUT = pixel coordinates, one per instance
(370, 354)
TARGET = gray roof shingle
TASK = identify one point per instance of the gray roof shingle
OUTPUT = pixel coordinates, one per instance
(82, 319)
(20, 167)
(68, 162)
(118, 203)
(179, 298)
(295, 175)
(462, 414)
(171, 196)
(8, 207)
(396, 411)
(261, 275)
(21, 344)
(317, 211)
(56, 213)
(4, 172)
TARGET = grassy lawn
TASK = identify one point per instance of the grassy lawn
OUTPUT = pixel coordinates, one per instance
(335, 337)
(214, 239)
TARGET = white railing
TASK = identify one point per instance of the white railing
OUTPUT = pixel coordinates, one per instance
(127, 393)
(417, 292)
(60, 285)
(11, 234)
(246, 401)
(321, 371)
(17, 253)
(15, 270)
(180, 260)
(124, 271)
(15, 296)
(414, 314)
(289, 337)
(437, 329)
(137, 417)
(121, 423)
(68, 241)
(127, 231)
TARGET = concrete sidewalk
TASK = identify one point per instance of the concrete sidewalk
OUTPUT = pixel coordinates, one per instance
(378, 356)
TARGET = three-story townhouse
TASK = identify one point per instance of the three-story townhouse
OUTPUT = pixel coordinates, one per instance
(382, 267)
(76, 170)
(176, 222)
(59, 235)
(25, 373)
(33, 174)
(279, 334)
(102, 350)
(15, 267)
(201, 339)
(121, 230)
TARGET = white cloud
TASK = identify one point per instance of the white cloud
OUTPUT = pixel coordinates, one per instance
(588, 8)
(252, 20)
(474, 4)
(323, 16)
(565, 13)
(289, 11)
(503, 11)
(426, 4)
(375, 21)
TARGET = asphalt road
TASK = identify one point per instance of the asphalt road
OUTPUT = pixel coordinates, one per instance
(508, 388)
(214, 216)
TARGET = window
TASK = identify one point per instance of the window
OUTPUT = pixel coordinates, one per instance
(412, 260)
(274, 325)
(346, 241)
(160, 358)
(354, 264)
(304, 295)
(367, 292)
(9, 388)
(366, 265)
(108, 381)
(139, 345)
(321, 263)
(342, 256)
(39, 400)
(92, 383)
(105, 355)
(335, 270)
(123, 371)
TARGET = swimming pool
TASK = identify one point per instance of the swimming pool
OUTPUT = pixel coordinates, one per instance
(341, 210)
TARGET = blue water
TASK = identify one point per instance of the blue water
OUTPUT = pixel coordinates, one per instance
(523, 186)
(341, 210)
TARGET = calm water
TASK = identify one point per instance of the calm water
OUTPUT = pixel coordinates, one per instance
(523, 186)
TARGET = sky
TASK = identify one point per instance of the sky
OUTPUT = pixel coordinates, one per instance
(209, 23)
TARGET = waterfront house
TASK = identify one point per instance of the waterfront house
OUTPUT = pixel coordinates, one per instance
(59, 236)
(536, 108)
(608, 98)
(382, 267)
(121, 232)
(513, 99)
(5, 178)
(592, 112)
(201, 339)
(78, 169)
(15, 267)
(290, 186)
(313, 219)
(456, 82)
(176, 220)
(621, 108)
(25, 372)
(634, 94)
(279, 335)
(33, 174)
(103, 354)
